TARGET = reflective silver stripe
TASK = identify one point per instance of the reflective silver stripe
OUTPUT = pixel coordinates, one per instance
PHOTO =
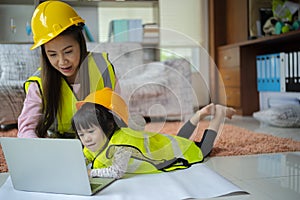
(147, 144)
(175, 145)
(103, 68)
(132, 167)
(176, 148)
(37, 73)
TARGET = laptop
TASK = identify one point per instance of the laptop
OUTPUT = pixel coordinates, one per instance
(49, 165)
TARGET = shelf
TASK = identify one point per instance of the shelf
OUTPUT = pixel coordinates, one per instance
(292, 36)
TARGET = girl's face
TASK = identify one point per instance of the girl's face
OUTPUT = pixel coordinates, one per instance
(92, 138)
(63, 53)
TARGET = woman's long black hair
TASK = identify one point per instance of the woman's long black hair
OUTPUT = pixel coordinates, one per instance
(51, 82)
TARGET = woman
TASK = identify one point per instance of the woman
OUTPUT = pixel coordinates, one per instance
(113, 150)
(68, 72)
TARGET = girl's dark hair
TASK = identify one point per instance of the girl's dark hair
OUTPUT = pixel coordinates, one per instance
(51, 83)
(94, 114)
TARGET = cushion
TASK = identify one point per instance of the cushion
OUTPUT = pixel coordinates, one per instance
(281, 116)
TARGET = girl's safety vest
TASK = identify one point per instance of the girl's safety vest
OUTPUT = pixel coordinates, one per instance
(101, 74)
(151, 152)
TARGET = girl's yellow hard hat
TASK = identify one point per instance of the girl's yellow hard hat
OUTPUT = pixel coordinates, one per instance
(110, 100)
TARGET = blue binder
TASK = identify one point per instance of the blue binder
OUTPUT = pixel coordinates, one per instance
(135, 28)
(274, 72)
(259, 73)
(268, 86)
(271, 72)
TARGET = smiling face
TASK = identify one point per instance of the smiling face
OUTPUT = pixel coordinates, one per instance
(92, 138)
(63, 52)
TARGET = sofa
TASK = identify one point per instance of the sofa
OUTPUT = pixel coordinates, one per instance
(17, 63)
(153, 90)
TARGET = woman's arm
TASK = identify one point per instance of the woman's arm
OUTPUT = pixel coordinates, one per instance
(31, 112)
(118, 168)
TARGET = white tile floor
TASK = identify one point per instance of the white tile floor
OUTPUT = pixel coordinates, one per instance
(263, 176)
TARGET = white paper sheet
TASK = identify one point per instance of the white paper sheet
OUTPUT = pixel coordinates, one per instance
(196, 182)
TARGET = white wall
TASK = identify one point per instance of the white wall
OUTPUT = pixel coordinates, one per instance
(183, 17)
(89, 14)
(20, 14)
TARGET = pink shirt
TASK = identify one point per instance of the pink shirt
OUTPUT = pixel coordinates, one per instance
(31, 112)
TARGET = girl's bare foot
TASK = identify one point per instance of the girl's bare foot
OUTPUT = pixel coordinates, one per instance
(230, 112)
(224, 111)
(202, 113)
(221, 112)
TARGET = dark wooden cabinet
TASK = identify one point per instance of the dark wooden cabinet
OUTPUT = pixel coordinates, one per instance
(234, 83)
(229, 70)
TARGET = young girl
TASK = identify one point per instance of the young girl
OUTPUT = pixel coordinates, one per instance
(68, 72)
(113, 150)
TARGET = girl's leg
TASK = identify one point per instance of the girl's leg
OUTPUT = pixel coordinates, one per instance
(188, 128)
(207, 142)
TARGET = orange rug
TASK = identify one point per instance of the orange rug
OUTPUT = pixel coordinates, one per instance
(232, 140)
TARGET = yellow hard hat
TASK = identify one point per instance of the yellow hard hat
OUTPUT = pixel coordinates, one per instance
(49, 19)
(110, 100)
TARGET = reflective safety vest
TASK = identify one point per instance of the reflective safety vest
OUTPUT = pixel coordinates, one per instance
(101, 75)
(151, 152)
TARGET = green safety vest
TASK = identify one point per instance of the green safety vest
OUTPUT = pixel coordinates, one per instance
(99, 67)
(151, 152)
